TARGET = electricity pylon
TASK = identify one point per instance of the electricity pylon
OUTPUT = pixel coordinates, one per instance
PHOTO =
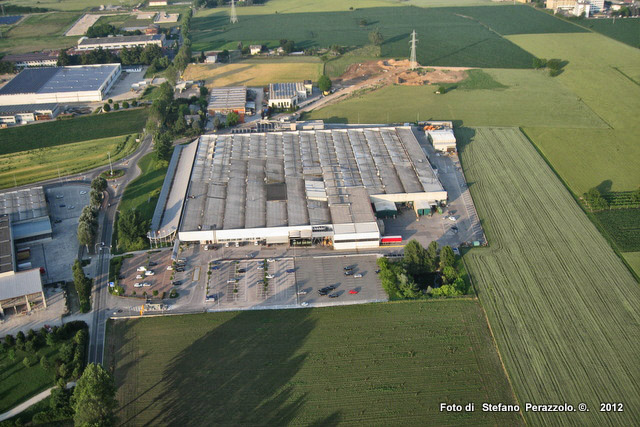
(234, 15)
(413, 62)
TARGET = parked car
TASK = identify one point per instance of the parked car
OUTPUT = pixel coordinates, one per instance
(141, 268)
(242, 270)
(151, 263)
(180, 269)
(270, 276)
(349, 267)
(304, 304)
(357, 275)
(215, 267)
(169, 267)
(57, 221)
(260, 267)
(137, 285)
(146, 285)
(270, 260)
(353, 291)
(291, 270)
(348, 273)
(63, 206)
(302, 292)
(139, 276)
(378, 271)
(451, 218)
(334, 295)
(176, 283)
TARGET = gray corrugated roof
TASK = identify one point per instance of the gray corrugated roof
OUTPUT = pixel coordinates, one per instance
(59, 79)
(120, 39)
(26, 108)
(14, 284)
(228, 98)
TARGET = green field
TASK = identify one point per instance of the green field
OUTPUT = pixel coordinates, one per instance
(59, 132)
(374, 364)
(37, 32)
(624, 30)
(142, 193)
(623, 225)
(588, 158)
(40, 164)
(561, 304)
(449, 36)
(549, 103)
(68, 5)
(633, 259)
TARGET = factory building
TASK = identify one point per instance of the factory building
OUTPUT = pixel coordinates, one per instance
(35, 59)
(28, 213)
(80, 83)
(287, 95)
(120, 42)
(441, 135)
(21, 114)
(226, 100)
(320, 187)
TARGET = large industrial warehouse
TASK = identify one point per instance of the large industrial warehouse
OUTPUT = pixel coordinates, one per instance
(81, 83)
(296, 187)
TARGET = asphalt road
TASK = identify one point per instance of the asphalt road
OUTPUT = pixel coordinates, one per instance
(100, 291)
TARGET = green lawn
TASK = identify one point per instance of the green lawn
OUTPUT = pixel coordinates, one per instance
(142, 193)
(375, 364)
(59, 132)
(39, 31)
(625, 30)
(561, 304)
(531, 98)
(40, 164)
(587, 158)
(449, 36)
(633, 259)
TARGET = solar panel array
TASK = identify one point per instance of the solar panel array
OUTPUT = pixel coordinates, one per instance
(59, 79)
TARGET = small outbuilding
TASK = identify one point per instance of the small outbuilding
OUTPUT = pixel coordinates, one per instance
(443, 140)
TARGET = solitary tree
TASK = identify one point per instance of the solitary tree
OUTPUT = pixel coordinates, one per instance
(232, 119)
(106, 108)
(94, 398)
(324, 83)
(375, 37)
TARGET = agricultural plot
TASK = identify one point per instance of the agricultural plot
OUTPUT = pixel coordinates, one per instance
(363, 364)
(38, 31)
(68, 5)
(254, 73)
(453, 39)
(549, 103)
(561, 304)
(40, 164)
(633, 259)
(586, 158)
(623, 225)
(60, 132)
(272, 7)
(624, 30)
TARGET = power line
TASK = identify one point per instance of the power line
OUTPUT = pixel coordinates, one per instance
(234, 15)
(413, 63)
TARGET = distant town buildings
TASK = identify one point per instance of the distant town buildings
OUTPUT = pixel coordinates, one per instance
(158, 3)
(576, 7)
(255, 49)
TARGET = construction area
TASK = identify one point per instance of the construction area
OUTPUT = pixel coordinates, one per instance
(391, 71)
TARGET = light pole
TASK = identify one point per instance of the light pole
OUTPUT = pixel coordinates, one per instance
(110, 165)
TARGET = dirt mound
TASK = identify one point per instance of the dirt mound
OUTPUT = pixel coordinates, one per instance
(398, 72)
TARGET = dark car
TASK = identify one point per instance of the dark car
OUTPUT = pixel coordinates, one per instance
(63, 206)
(334, 295)
(348, 267)
(323, 292)
(348, 273)
(242, 270)
(151, 263)
(176, 283)
(57, 221)
(215, 267)
(179, 269)
(378, 271)
(291, 270)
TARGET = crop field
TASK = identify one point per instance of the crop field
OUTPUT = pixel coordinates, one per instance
(68, 5)
(623, 225)
(40, 164)
(254, 74)
(60, 132)
(451, 36)
(624, 30)
(39, 31)
(388, 364)
(562, 306)
(549, 104)
(633, 259)
(585, 158)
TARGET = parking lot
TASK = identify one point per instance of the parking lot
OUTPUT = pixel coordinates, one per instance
(155, 275)
(249, 283)
(57, 255)
(313, 274)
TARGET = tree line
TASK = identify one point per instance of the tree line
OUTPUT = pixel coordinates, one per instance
(422, 272)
